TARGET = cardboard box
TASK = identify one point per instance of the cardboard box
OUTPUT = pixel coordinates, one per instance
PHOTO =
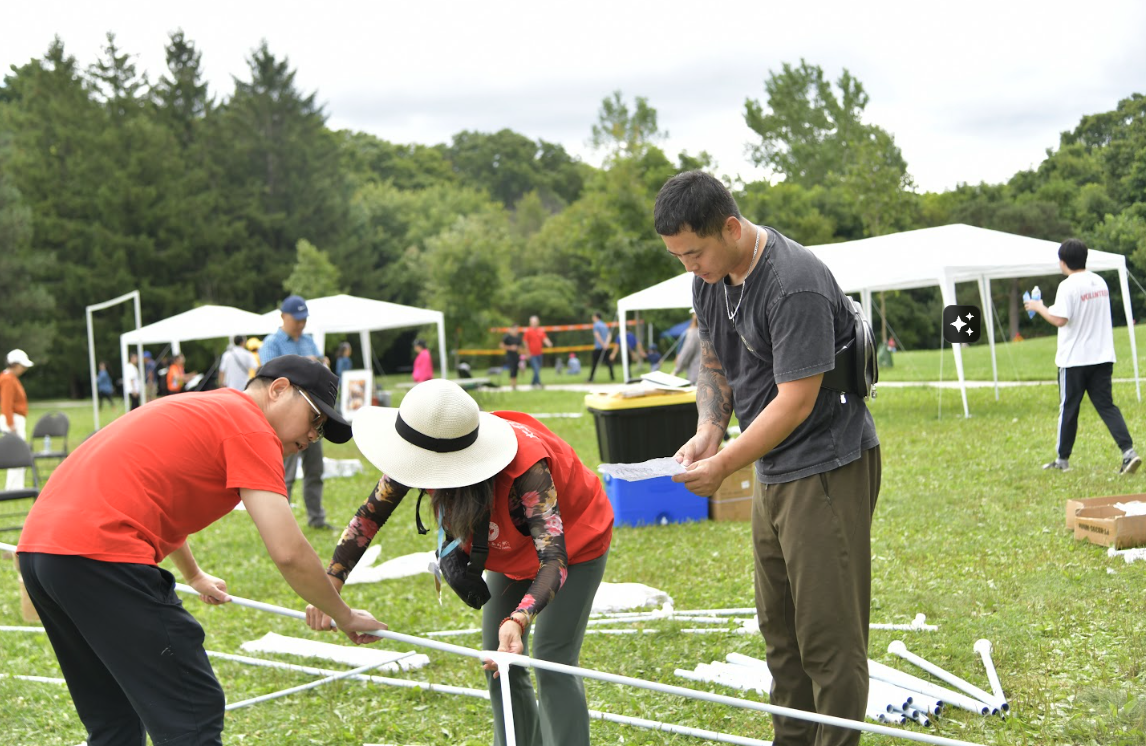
(1109, 526)
(733, 501)
(1076, 504)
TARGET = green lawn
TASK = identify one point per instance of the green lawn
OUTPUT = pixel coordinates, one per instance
(969, 531)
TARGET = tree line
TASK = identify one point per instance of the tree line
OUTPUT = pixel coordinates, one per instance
(111, 182)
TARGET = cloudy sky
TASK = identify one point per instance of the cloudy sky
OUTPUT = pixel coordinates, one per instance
(972, 91)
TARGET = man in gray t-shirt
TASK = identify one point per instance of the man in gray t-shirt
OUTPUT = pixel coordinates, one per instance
(772, 319)
(236, 365)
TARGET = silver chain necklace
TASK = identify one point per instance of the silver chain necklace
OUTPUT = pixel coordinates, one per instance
(732, 311)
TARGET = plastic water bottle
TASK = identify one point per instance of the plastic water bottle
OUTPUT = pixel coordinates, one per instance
(1036, 294)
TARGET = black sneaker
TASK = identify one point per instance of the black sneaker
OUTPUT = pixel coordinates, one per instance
(1130, 462)
(1059, 464)
(324, 526)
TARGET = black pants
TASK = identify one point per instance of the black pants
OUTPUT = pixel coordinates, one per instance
(1094, 381)
(131, 654)
(134, 398)
(598, 355)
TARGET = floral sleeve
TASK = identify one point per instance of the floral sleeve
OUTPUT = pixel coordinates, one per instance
(360, 531)
(533, 507)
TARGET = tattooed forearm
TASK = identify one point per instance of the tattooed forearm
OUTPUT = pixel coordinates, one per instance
(713, 394)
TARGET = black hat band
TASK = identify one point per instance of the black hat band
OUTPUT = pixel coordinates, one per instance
(437, 445)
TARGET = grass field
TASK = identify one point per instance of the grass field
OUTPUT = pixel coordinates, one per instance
(968, 530)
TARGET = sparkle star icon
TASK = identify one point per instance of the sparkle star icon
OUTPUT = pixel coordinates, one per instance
(961, 324)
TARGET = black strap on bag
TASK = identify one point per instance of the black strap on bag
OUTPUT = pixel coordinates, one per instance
(857, 370)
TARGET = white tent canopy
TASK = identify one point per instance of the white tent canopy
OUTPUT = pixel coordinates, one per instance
(343, 314)
(927, 257)
(204, 322)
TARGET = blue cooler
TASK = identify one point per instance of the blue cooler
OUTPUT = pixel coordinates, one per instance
(653, 502)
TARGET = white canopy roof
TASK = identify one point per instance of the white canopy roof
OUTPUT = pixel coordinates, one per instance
(343, 314)
(204, 322)
(926, 257)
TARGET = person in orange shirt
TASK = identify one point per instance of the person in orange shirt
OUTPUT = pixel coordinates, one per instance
(14, 407)
(535, 340)
(175, 375)
(513, 499)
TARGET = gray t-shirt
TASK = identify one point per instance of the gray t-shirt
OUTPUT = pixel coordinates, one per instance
(792, 320)
(235, 365)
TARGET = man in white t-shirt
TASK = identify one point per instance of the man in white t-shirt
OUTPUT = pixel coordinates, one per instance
(131, 380)
(235, 365)
(1085, 357)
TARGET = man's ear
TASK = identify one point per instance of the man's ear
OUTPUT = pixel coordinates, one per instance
(733, 228)
(278, 388)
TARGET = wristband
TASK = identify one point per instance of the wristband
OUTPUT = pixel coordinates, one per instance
(516, 621)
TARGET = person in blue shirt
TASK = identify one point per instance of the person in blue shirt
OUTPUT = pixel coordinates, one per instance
(290, 340)
(104, 386)
(602, 338)
(342, 362)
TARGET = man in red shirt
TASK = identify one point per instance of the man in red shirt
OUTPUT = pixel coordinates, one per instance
(129, 496)
(535, 337)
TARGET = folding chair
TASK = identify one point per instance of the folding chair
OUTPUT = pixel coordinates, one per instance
(15, 454)
(51, 425)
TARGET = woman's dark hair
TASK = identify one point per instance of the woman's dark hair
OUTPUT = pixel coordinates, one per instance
(1072, 252)
(420, 343)
(463, 508)
(693, 201)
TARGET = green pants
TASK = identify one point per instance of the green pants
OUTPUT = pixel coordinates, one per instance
(811, 541)
(561, 717)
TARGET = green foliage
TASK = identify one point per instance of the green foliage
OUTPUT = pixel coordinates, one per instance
(509, 165)
(624, 132)
(314, 275)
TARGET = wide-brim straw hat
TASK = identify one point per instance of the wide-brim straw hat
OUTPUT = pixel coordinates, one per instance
(438, 438)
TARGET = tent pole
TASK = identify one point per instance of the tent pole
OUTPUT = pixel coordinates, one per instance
(367, 351)
(442, 344)
(989, 320)
(142, 368)
(92, 364)
(948, 286)
(624, 340)
(1122, 283)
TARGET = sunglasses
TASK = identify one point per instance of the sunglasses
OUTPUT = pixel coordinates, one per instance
(316, 424)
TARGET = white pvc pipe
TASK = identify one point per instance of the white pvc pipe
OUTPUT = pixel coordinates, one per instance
(983, 648)
(913, 683)
(40, 679)
(404, 683)
(917, 625)
(898, 648)
(483, 694)
(521, 660)
(21, 629)
(301, 688)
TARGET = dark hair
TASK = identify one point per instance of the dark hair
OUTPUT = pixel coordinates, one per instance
(420, 343)
(693, 201)
(238, 340)
(463, 508)
(1072, 252)
(596, 314)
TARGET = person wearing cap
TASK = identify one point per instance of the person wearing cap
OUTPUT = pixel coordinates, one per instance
(14, 407)
(504, 478)
(290, 340)
(128, 497)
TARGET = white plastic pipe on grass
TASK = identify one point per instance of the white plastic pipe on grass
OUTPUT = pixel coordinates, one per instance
(21, 629)
(983, 648)
(910, 682)
(917, 625)
(898, 648)
(483, 694)
(301, 688)
(503, 660)
(39, 679)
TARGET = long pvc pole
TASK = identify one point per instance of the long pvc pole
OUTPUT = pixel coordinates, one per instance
(302, 688)
(914, 683)
(506, 659)
(483, 694)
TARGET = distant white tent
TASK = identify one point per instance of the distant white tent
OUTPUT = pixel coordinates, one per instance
(927, 257)
(204, 322)
(344, 314)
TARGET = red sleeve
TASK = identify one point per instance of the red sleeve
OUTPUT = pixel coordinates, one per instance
(254, 462)
(8, 400)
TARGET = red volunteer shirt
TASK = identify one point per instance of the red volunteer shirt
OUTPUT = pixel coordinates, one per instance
(534, 339)
(136, 489)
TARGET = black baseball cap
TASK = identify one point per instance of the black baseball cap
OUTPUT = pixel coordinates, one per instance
(315, 379)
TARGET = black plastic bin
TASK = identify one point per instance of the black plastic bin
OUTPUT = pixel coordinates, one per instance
(635, 429)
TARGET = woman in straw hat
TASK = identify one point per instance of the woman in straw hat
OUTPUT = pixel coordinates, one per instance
(549, 527)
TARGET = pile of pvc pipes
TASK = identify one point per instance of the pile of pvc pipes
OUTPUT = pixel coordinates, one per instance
(894, 696)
